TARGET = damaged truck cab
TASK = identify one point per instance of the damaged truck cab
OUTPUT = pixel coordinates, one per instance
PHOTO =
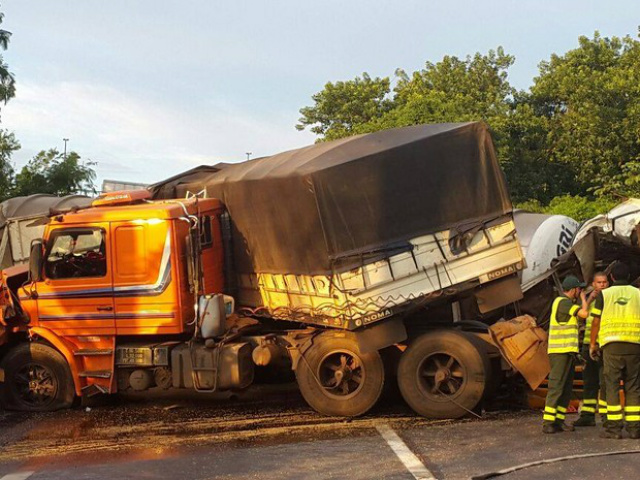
(105, 290)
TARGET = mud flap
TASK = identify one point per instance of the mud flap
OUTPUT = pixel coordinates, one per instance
(524, 346)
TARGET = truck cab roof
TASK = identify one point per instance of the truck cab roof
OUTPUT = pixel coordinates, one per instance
(165, 209)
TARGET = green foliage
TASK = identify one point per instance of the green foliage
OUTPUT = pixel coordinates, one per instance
(454, 90)
(8, 142)
(575, 133)
(590, 97)
(8, 145)
(574, 206)
(49, 172)
(343, 106)
(7, 80)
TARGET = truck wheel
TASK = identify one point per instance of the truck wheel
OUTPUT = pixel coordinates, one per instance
(444, 374)
(335, 378)
(37, 379)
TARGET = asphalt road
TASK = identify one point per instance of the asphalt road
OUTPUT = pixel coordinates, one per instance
(269, 433)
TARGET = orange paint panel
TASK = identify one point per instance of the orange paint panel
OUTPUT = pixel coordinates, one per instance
(131, 254)
(145, 288)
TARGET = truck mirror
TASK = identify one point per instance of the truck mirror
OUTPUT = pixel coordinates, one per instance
(35, 261)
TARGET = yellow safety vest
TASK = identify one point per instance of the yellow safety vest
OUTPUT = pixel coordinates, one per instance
(587, 328)
(563, 337)
(620, 320)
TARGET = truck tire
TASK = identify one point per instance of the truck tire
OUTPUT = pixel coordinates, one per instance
(336, 379)
(444, 374)
(37, 379)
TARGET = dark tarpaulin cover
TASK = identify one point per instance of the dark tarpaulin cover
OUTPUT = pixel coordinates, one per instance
(166, 189)
(331, 206)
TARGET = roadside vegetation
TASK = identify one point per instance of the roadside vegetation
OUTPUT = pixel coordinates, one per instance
(570, 144)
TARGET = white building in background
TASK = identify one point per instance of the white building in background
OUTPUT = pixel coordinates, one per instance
(117, 185)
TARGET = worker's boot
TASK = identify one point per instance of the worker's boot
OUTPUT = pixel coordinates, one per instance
(565, 427)
(613, 434)
(550, 428)
(585, 421)
(635, 434)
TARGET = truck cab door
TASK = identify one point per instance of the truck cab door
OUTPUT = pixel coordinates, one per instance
(76, 295)
(146, 300)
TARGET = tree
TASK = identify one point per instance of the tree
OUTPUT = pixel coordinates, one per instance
(8, 142)
(452, 90)
(7, 80)
(49, 172)
(590, 97)
(8, 145)
(344, 106)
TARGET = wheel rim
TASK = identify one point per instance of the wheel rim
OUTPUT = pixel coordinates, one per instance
(35, 385)
(341, 374)
(441, 376)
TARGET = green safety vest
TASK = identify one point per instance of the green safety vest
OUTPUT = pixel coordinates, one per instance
(620, 320)
(563, 337)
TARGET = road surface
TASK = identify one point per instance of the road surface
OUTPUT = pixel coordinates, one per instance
(269, 433)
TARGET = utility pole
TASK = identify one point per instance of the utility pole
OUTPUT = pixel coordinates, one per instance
(249, 155)
(65, 140)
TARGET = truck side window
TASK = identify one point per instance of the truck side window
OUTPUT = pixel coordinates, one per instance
(76, 253)
(206, 236)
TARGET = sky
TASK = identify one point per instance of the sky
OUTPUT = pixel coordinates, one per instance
(150, 88)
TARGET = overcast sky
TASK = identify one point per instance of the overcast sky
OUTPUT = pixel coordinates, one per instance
(148, 88)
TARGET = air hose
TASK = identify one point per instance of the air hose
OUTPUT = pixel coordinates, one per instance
(506, 471)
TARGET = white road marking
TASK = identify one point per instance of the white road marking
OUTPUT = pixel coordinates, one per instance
(406, 456)
(17, 476)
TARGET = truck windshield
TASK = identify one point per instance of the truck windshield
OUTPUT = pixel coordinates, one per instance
(76, 253)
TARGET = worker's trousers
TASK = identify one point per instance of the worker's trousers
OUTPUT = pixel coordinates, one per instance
(594, 398)
(627, 368)
(560, 387)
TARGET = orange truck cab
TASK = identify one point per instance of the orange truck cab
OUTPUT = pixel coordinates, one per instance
(110, 301)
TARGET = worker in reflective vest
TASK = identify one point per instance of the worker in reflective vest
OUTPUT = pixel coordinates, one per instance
(563, 348)
(616, 330)
(593, 397)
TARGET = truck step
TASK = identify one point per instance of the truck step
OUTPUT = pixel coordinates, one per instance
(95, 374)
(92, 352)
(93, 389)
